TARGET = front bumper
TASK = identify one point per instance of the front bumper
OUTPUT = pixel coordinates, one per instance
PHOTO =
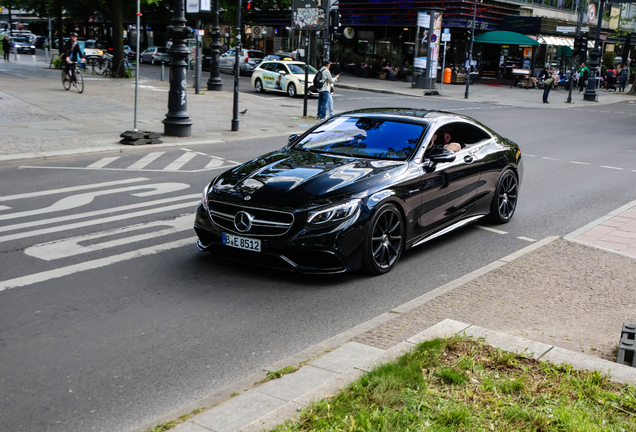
(298, 250)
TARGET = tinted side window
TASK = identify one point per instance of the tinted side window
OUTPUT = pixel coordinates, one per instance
(255, 54)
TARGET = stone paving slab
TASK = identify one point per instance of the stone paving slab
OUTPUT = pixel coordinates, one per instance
(346, 357)
(296, 384)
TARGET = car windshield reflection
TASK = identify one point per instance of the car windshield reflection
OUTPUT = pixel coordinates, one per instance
(300, 69)
(365, 137)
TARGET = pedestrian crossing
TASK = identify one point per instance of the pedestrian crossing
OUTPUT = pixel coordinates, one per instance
(183, 160)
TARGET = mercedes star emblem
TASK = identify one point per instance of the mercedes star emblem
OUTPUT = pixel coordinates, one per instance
(243, 221)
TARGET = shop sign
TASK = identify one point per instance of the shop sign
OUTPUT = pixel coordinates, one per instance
(566, 29)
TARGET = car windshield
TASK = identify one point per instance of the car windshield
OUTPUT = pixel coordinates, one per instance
(300, 68)
(368, 137)
(20, 40)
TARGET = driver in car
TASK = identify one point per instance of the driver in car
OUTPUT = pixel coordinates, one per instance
(452, 146)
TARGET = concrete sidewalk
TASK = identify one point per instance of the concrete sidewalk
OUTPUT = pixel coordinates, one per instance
(563, 299)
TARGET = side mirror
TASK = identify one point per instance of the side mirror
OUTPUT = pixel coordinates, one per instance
(291, 139)
(282, 72)
(441, 155)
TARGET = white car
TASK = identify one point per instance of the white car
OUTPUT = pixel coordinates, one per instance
(282, 76)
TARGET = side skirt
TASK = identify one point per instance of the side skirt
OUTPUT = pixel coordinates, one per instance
(448, 229)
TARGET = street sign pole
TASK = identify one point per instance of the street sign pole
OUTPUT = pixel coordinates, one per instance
(306, 73)
(197, 60)
(237, 68)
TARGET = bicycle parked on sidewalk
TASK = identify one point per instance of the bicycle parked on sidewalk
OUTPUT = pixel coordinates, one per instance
(74, 78)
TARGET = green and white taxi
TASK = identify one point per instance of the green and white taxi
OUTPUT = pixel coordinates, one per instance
(282, 76)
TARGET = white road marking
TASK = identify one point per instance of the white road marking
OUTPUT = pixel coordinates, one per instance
(529, 155)
(180, 161)
(526, 239)
(146, 160)
(214, 163)
(96, 221)
(126, 169)
(71, 189)
(496, 231)
(548, 158)
(610, 167)
(103, 162)
(110, 210)
(72, 246)
(580, 163)
(3, 207)
(80, 200)
(91, 265)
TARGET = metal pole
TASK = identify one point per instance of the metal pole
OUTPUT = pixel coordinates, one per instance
(237, 69)
(441, 85)
(162, 68)
(470, 53)
(214, 82)
(177, 121)
(50, 36)
(590, 93)
(197, 63)
(137, 63)
(306, 74)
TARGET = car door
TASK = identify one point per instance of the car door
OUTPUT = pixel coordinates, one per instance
(449, 189)
(226, 62)
(268, 75)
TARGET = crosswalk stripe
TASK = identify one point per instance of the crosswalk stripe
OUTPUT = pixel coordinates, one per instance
(181, 161)
(214, 163)
(103, 162)
(144, 161)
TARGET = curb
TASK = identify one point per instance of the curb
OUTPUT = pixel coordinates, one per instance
(248, 383)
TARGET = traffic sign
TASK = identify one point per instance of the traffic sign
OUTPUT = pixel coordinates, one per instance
(446, 36)
(433, 38)
(257, 32)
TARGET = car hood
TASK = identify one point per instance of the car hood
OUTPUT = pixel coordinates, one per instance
(291, 178)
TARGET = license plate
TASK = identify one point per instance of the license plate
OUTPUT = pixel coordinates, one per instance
(242, 242)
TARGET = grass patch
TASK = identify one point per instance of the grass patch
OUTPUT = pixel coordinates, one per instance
(462, 384)
(272, 375)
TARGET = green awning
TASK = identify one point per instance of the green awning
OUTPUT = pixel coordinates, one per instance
(505, 37)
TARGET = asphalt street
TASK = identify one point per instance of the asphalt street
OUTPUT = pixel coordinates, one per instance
(110, 317)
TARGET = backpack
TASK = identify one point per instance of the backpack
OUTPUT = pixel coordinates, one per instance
(318, 80)
(624, 71)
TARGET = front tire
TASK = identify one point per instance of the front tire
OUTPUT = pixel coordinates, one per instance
(291, 90)
(258, 86)
(79, 82)
(385, 240)
(504, 202)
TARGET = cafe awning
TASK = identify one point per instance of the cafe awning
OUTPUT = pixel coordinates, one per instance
(505, 38)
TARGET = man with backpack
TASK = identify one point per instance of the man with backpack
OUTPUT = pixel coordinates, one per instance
(323, 82)
(624, 76)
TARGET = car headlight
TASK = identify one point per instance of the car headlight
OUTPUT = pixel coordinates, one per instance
(32, 46)
(333, 215)
(301, 81)
(204, 200)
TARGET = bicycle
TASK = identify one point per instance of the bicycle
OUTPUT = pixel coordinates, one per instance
(103, 66)
(74, 78)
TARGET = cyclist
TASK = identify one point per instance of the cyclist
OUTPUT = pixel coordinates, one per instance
(71, 51)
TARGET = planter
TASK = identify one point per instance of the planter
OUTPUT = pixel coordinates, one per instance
(383, 75)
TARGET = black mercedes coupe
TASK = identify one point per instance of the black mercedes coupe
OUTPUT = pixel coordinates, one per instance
(358, 189)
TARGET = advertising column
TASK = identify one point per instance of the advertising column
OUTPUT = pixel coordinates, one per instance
(429, 30)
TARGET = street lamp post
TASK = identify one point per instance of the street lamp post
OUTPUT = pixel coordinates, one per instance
(177, 121)
(470, 52)
(214, 82)
(595, 56)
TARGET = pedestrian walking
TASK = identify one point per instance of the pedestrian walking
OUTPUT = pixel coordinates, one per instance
(6, 47)
(548, 84)
(624, 76)
(610, 78)
(324, 92)
(584, 73)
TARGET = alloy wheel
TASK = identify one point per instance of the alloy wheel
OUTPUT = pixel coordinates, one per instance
(506, 198)
(386, 240)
